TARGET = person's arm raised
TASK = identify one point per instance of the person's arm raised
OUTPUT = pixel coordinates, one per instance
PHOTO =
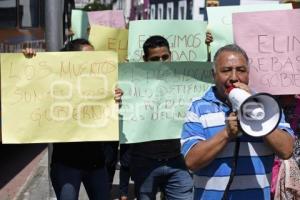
(208, 39)
(29, 52)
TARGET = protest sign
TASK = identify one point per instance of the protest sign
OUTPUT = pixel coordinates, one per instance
(274, 50)
(111, 18)
(111, 39)
(251, 2)
(59, 97)
(220, 21)
(80, 24)
(157, 96)
(186, 38)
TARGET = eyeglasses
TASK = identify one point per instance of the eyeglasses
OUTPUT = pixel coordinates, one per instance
(159, 58)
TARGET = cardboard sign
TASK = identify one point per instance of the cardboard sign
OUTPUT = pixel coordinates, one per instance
(59, 97)
(274, 51)
(186, 38)
(157, 96)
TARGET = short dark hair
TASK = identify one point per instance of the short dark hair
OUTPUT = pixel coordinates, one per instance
(76, 45)
(153, 42)
(232, 48)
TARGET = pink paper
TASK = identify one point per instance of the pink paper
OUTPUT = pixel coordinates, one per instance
(272, 42)
(111, 18)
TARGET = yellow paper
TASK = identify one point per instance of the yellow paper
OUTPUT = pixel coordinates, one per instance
(112, 39)
(59, 97)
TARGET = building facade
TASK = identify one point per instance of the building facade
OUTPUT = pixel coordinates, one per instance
(171, 9)
(199, 6)
(139, 9)
(124, 5)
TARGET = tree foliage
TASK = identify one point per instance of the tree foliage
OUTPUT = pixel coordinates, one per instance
(97, 5)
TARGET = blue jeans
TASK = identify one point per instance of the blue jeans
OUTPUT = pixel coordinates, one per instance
(66, 182)
(170, 176)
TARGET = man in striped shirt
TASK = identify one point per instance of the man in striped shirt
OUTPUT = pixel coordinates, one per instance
(226, 165)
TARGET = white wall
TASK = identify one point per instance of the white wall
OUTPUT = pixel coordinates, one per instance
(197, 4)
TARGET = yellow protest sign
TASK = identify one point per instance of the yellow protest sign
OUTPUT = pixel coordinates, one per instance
(112, 39)
(59, 97)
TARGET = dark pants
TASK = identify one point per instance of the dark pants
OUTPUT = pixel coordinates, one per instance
(66, 182)
(124, 169)
(111, 159)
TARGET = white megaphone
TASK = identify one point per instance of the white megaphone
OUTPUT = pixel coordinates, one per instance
(258, 114)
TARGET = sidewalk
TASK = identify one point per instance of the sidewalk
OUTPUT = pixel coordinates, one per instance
(18, 161)
(38, 186)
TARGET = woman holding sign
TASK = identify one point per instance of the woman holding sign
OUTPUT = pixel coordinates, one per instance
(79, 162)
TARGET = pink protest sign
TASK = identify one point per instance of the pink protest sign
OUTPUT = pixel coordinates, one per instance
(272, 42)
(111, 18)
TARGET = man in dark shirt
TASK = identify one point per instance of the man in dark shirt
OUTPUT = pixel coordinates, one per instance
(159, 164)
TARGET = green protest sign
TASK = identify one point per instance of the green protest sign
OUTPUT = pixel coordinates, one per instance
(80, 24)
(186, 38)
(156, 97)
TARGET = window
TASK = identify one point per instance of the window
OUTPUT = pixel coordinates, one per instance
(182, 10)
(160, 14)
(170, 10)
(8, 13)
(21, 13)
(29, 16)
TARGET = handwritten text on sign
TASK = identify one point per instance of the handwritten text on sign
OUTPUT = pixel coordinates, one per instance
(59, 97)
(281, 70)
(186, 38)
(156, 97)
(220, 21)
(110, 39)
(190, 43)
(274, 51)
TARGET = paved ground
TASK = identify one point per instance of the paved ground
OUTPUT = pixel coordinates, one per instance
(24, 174)
(16, 164)
(38, 185)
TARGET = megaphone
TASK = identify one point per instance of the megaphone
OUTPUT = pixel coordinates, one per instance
(258, 114)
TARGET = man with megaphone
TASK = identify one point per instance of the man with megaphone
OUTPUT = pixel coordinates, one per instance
(230, 135)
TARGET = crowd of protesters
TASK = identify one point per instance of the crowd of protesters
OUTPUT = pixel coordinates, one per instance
(211, 160)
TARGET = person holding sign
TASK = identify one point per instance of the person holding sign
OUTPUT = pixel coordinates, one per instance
(158, 164)
(79, 162)
(225, 164)
(209, 39)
